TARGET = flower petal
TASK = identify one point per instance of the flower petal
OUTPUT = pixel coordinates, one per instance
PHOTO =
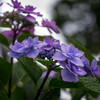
(77, 61)
(94, 65)
(35, 40)
(64, 48)
(78, 70)
(33, 53)
(14, 54)
(59, 56)
(69, 76)
(97, 72)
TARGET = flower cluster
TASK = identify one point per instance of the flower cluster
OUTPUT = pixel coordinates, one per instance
(24, 18)
(70, 58)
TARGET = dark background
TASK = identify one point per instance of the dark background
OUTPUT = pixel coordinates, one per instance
(80, 19)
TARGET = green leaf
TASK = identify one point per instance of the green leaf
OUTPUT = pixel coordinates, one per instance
(91, 83)
(31, 68)
(88, 84)
(29, 90)
(46, 63)
(56, 83)
(18, 73)
(51, 94)
(3, 40)
(78, 45)
(5, 71)
(3, 95)
(17, 94)
(4, 25)
(77, 94)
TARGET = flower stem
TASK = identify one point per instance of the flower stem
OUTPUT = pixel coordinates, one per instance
(11, 62)
(10, 80)
(42, 85)
(44, 81)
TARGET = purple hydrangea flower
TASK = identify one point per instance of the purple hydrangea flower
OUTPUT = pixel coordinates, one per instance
(28, 47)
(49, 47)
(71, 71)
(69, 58)
(50, 26)
(71, 53)
(50, 43)
(31, 18)
(30, 10)
(93, 69)
(16, 4)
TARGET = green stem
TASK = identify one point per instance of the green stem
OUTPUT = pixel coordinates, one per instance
(11, 62)
(44, 81)
(42, 85)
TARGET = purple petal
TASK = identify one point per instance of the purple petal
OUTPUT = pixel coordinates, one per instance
(85, 61)
(69, 76)
(59, 56)
(97, 72)
(94, 65)
(35, 40)
(47, 39)
(78, 70)
(15, 47)
(48, 47)
(31, 18)
(33, 53)
(30, 39)
(8, 33)
(14, 54)
(63, 64)
(78, 53)
(71, 49)
(77, 61)
(64, 48)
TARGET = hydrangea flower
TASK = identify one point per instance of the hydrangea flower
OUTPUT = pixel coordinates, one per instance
(16, 4)
(93, 69)
(69, 58)
(70, 72)
(50, 43)
(28, 47)
(29, 10)
(49, 47)
(71, 53)
(50, 26)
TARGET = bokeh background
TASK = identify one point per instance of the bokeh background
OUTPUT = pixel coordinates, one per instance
(79, 19)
